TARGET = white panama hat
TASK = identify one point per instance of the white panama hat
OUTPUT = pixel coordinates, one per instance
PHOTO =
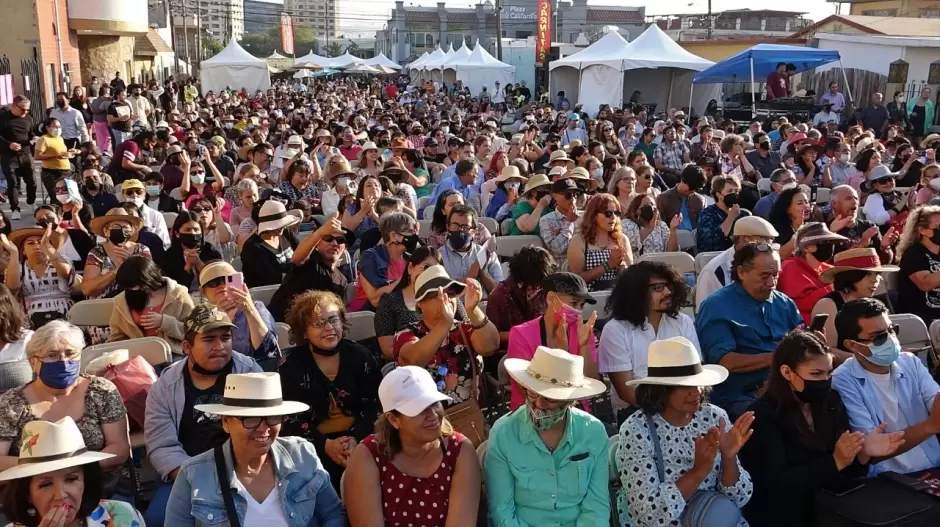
(253, 395)
(47, 447)
(676, 362)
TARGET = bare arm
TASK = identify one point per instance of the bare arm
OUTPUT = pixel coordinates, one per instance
(94, 282)
(364, 506)
(117, 441)
(745, 363)
(485, 340)
(576, 261)
(12, 278)
(465, 488)
(925, 280)
(618, 379)
(419, 352)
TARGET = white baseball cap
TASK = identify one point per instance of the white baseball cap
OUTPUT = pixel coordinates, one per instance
(409, 390)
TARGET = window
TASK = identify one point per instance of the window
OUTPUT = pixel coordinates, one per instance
(880, 12)
(930, 13)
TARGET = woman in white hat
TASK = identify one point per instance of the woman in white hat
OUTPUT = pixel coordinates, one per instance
(43, 279)
(535, 203)
(58, 482)
(255, 477)
(546, 462)
(505, 189)
(416, 468)
(369, 159)
(855, 274)
(119, 230)
(266, 254)
(678, 456)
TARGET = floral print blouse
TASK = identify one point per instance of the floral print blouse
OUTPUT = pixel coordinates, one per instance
(98, 257)
(109, 513)
(450, 366)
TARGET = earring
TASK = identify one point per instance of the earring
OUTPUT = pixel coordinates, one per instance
(31, 511)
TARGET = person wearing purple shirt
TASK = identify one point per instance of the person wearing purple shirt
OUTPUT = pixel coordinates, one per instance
(835, 97)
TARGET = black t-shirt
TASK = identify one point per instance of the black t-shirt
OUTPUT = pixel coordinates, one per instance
(313, 275)
(174, 265)
(910, 298)
(200, 431)
(120, 109)
(225, 166)
(854, 234)
(15, 129)
(266, 265)
(525, 92)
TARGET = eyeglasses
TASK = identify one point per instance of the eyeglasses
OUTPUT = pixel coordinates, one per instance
(611, 213)
(250, 423)
(884, 180)
(880, 338)
(61, 355)
(453, 227)
(765, 247)
(215, 282)
(659, 287)
(339, 240)
(133, 192)
(534, 396)
(321, 323)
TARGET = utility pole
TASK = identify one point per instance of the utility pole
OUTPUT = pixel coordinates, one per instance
(176, 54)
(199, 32)
(710, 20)
(499, 29)
(186, 39)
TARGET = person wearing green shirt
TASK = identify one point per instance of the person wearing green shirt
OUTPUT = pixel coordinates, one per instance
(646, 144)
(546, 462)
(534, 203)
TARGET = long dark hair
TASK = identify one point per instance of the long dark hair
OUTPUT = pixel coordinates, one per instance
(139, 271)
(439, 220)
(779, 214)
(17, 503)
(421, 254)
(13, 320)
(624, 302)
(794, 348)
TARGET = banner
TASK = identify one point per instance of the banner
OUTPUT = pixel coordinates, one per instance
(287, 34)
(543, 38)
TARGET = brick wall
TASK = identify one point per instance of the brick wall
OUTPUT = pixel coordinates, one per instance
(49, 48)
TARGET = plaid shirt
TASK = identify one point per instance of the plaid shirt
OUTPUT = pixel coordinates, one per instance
(417, 141)
(556, 232)
(672, 155)
(710, 149)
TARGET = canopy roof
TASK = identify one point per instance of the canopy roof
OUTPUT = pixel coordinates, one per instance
(478, 58)
(765, 58)
(382, 60)
(434, 60)
(417, 62)
(276, 56)
(234, 55)
(363, 68)
(458, 57)
(652, 49)
(344, 61)
(312, 58)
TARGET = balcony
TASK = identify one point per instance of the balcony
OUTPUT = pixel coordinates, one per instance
(108, 17)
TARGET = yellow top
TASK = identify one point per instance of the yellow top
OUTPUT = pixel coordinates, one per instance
(51, 145)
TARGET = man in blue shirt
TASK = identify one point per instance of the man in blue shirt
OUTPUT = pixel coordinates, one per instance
(881, 385)
(781, 179)
(463, 177)
(740, 325)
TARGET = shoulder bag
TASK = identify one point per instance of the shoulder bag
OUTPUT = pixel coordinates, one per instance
(225, 484)
(467, 417)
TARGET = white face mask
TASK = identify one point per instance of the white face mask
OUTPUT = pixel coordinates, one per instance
(445, 129)
(197, 178)
(63, 198)
(512, 186)
(55, 132)
(844, 158)
(598, 172)
(137, 200)
(788, 186)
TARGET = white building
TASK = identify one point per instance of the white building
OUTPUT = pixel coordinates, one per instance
(321, 16)
(876, 53)
(225, 19)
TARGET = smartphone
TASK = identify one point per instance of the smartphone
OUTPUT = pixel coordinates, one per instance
(813, 190)
(235, 281)
(818, 324)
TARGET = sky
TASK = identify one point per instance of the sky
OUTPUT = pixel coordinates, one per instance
(364, 17)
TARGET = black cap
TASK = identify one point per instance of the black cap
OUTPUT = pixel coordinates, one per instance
(565, 185)
(568, 284)
(552, 137)
(430, 142)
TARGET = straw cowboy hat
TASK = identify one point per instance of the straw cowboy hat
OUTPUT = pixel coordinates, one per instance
(253, 395)
(46, 447)
(100, 224)
(365, 148)
(560, 155)
(339, 166)
(509, 172)
(323, 132)
(554, 374)
(859, 259)
(18, 236)
(536, 181)
(581, 174)
(274, 216)
(928, 141)
(676, 362)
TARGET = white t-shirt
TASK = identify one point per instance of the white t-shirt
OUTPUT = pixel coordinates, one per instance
(268, 513)
(16, 351)
(624, 347)
(888, 397)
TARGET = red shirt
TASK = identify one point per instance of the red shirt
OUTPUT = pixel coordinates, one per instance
(777, 85)
(801, 283)
(391, 91)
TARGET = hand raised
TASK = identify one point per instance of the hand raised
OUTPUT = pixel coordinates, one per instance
(733, 440)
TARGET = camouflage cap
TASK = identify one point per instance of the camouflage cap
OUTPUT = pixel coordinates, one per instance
(205, 317)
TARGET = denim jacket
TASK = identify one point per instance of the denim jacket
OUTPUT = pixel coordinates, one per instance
(307, 496)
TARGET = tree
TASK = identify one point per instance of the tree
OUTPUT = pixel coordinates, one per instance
(262, 44)
(210, 44)
(333, 49)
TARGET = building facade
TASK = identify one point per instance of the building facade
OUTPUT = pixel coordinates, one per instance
(262, 16)
(733, 24)
(321, 16)
(224, 19)
(891, 8)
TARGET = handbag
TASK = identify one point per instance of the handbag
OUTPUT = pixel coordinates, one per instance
(226, 487)
(706, 508)
(467, 417)
(133, 379)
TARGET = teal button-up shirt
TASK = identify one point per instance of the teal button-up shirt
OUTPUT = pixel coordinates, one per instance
(526, 485)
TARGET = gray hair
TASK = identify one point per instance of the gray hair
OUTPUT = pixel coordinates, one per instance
(53, 334)
(246, 184)
(396, 222)
(617, 176)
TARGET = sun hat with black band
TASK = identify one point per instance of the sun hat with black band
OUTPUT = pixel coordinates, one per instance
(857, 259)
(814, 233)
(675, 362)
(274, 216)
(435, 277)
(46, 447)
(255, 394)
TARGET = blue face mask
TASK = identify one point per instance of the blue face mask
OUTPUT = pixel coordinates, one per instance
(459, 240)
(59, 375)
(886, 353)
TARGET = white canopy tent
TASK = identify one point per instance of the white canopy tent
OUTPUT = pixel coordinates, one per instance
(450, 72)
(417, 62)
(434, 60)
(344, 61)
(276, 56)
(235, 67)
(364, 68)
(382, 60)
(481, 69)
(312, 58)
(605, 72)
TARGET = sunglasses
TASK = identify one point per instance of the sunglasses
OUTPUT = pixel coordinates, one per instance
(611, 214)
(881, 338)
(250, 423)
(199, 210)
(132, 192)
(884, 180)
(215, 283)
(329, 238)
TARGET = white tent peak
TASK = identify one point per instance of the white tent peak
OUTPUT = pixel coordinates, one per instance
(480, 57)
(653, 48)
(450, 50)
(311, 58)
(233, 55)
(419, 61)
(276, 56)
(382, 60)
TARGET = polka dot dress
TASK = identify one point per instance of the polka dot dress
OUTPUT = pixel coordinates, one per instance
(416, 502)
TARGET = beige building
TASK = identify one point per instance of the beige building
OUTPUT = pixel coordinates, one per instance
(322, 16)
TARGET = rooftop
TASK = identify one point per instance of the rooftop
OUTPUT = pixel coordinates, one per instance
(876, 25)
(613, 16)
(150, 43)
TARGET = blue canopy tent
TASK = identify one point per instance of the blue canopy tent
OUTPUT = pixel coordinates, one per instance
(761, 60)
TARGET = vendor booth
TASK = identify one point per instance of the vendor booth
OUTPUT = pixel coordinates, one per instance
(480, 69)
(235, 67)
(382, 60)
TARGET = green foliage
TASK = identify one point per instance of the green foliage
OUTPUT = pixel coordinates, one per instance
(211, 44)
(266, 42)
(334, 49)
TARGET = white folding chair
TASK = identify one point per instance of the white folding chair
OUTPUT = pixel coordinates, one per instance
(504, 266)
(686, 240)
(508, 246)
(170, 218)
(350, 292)
(429, 212)
(505, 227)
(154, 350)
(702, 259)
(683, 262)
(600, 306)
(424, 229)
(763, 186)
(822, 195)
(283, 335)
(175, 194)
(264, 293)
(96, 312)
(913, 334)
(490, 225)
(362, 325)
(423, 202)
(476, 203)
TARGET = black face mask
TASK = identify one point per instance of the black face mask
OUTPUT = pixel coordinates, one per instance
(118, 235)
(202, 371)
(647, 212)
(764, 145)
(136, 299)
(42, 223)
(92, 185)
(62, 104)
(936, 236)
(730, 200)
(324, 353)
(411, 243)
(814, 391)
(824, 252)
(190, 241)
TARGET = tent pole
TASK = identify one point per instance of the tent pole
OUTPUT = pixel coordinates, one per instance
(691, 89)
(672, 78)
(845, 79)
(753, 89)
(580, 71)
